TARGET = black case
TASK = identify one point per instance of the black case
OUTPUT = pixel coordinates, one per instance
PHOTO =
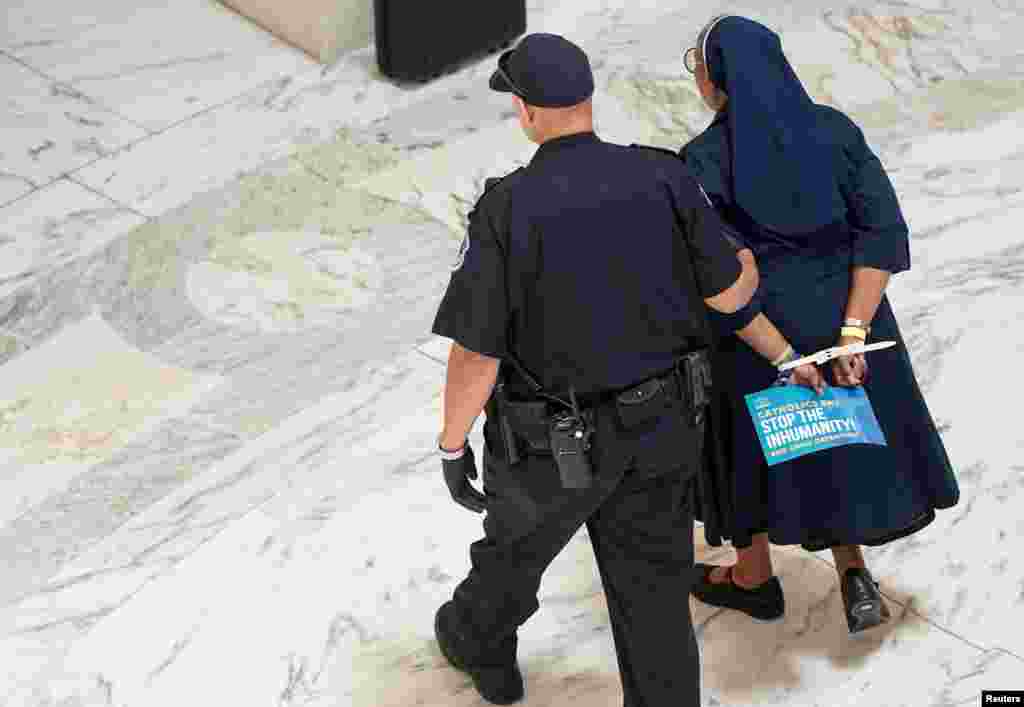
(417, 41)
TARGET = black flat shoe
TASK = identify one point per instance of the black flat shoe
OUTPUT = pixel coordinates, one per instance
(864, 606)
(495, 672)
(764, 602)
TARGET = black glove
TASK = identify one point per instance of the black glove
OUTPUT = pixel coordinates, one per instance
(457, 474)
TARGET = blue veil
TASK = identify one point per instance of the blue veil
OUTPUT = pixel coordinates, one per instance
(784, 162)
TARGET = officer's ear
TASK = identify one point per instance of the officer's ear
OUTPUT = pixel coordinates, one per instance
(526, 114)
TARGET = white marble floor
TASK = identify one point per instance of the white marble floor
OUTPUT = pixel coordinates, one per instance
(218, 391)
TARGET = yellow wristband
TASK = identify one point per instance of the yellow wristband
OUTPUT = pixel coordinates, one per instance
(859, 323)
(854, 332)
(784, 356)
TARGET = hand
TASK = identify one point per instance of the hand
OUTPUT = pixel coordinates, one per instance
(457, 475)
(849, 371)
(808, 375)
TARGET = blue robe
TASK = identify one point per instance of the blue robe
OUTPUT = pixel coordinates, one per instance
(856, 494)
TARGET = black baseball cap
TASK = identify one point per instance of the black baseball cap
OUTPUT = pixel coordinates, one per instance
(545, 70)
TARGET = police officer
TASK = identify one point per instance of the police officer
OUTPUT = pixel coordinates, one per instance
(576, 307)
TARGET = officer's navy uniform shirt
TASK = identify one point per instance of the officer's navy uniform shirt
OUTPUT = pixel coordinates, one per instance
(583, 265)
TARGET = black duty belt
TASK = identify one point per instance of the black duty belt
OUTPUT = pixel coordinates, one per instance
(689, 381)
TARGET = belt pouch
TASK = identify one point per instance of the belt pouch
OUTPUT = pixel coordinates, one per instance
(642, 403)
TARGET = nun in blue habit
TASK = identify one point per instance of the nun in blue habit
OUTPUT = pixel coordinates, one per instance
(812, 201)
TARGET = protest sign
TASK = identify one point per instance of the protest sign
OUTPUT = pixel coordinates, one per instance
(792, 420)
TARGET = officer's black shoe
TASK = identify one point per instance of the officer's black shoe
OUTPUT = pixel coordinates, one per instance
(865, 608)
(764, 602)
(495, 675)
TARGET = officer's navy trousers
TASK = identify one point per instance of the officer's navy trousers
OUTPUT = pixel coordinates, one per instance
(642, 536)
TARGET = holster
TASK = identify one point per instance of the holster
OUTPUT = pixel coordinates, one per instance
(523, 424)
(500, 410)
(532, 427)
(693, 371)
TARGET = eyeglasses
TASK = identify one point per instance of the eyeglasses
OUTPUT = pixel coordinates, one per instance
(503, 72)
(690, 60)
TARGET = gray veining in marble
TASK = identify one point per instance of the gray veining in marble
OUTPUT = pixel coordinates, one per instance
(219, 393)
(51, 129)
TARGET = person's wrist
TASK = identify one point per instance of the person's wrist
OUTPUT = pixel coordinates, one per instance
(448, 444)
(858, 323)
(789, 354)
(853, 332)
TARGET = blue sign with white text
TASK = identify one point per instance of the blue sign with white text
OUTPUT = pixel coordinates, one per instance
(792, 420)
